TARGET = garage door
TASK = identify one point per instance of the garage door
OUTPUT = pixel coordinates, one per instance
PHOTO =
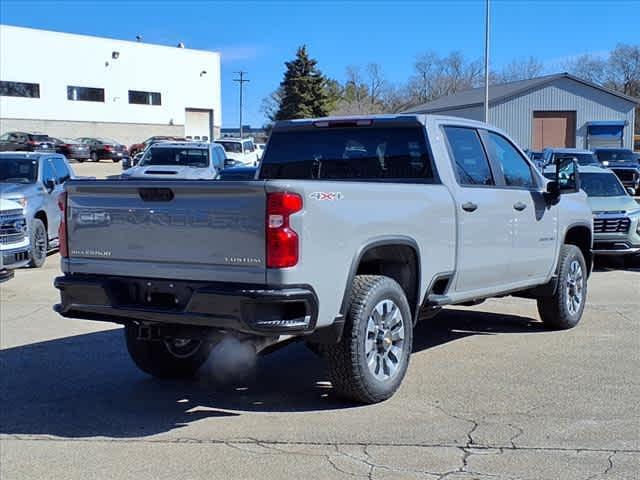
(605, 134)
(197, 124)
(554, 129)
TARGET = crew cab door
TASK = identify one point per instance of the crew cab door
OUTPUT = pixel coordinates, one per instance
(484, 217)
(534, 221)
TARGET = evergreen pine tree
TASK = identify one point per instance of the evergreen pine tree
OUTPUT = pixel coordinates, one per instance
(303, 89)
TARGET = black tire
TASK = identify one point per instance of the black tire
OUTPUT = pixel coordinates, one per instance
(115, 160)
(349, 372)
(94, 157)
(80, 160)
(39, 243)
(557, 311)
(155, 358)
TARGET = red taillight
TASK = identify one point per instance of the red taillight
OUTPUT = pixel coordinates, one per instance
(62, 230)
(108, 148)
(282, 240)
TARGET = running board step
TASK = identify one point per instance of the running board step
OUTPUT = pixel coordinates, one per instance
(434, 300)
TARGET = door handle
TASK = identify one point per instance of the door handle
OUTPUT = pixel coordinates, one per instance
(519, 206)
(469, 207)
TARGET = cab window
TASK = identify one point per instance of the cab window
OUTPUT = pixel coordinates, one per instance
(62, 171)
(516, 170)
(48, 172)
(471, 163)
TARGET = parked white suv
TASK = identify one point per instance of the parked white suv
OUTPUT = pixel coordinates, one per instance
(241, 149)
(179, 161)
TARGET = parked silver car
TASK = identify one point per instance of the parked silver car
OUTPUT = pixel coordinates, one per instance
(35, 181)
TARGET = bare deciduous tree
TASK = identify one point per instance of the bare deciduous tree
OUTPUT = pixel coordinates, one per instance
(518, 69)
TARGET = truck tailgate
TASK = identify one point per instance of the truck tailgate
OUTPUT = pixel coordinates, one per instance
(195, 230)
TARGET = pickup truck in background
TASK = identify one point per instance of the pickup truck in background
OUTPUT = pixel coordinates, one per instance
(14, 239)
(35, 180)
(353, 229)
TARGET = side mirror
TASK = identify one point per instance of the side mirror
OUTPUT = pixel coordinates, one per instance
(631, 191)
(50, 184)
(567, 175)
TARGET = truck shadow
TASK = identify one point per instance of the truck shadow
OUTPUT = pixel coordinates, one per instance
(86, 385)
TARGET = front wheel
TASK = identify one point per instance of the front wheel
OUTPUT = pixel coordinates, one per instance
(167, 357)
(39, 243)
(372, 357)
(564, 308)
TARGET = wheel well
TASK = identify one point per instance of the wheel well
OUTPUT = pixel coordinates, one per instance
(580, 236)
(396, 261)
(43, 217)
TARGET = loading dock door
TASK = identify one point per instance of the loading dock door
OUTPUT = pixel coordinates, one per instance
(605, 134)
(554, 129)
(198, 124)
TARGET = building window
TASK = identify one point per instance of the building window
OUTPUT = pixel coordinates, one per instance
(85, 94)
(19, 89)
(144, 98)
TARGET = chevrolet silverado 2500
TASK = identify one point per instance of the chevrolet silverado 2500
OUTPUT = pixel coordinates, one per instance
(352, 230)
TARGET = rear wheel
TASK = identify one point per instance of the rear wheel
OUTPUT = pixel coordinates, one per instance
(39, 243)
(372, 357)
(168, 357)
(564, 308)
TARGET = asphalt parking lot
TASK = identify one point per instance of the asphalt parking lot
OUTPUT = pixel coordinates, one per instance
(489, 394)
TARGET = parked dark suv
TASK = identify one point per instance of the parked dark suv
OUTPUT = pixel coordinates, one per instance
(25, 142)
(104, 148)
(624, 163)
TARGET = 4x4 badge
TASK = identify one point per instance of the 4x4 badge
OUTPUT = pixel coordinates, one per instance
(326, 196)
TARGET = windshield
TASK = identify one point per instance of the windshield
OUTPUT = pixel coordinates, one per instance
(190, 157)
(348, 153)
(582, 158)
(232, 147)
(107, 140)
(618, 156)
(18, 170)
(601, 185)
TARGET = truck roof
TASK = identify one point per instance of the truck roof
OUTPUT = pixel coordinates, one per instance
(29, 155)
(180, 144)
(391, 118)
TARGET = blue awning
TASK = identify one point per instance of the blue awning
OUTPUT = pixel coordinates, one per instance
(608, 123)
(613, 128)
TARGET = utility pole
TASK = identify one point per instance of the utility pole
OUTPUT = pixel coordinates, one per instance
(241, 81)
(486, 63)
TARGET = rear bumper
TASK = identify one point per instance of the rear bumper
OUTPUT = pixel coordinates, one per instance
(244, 308)
(112, 155)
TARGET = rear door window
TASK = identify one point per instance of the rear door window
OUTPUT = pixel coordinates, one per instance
(389, 153)
(470, 161)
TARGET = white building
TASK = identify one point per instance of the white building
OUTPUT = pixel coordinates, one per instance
(69, 85)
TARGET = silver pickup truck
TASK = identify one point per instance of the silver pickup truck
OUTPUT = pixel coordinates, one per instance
(352, 230)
